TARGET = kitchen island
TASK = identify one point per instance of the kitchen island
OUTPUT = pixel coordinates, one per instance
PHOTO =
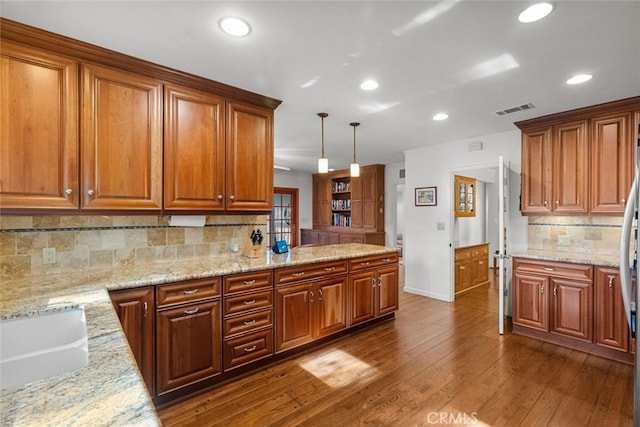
(110, 390)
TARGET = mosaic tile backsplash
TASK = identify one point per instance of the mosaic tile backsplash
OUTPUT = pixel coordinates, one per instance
(595, 235)
(94, 242)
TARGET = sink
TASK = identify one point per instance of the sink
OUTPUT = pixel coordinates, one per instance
(37, 347)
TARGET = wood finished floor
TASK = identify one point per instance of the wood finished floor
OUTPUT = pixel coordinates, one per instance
(437, 363)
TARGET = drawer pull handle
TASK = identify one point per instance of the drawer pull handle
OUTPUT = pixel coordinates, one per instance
(329, 268)
(249, 302)
(549, 269)
(191, 292)
(386, 259)
(250, 349)
(611, 281)
(321, 295)
(194, 311)
(480, 262)
(364, 263)
(298, 274)
(249, 282)
(250, 322)
(555, 291)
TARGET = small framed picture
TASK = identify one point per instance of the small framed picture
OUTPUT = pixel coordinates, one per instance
(427, 196)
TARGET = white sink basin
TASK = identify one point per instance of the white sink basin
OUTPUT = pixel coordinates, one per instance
(33, 348)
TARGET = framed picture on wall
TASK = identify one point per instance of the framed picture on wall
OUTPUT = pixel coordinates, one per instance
(427, 196)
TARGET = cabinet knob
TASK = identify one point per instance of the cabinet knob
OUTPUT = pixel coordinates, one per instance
(68, 192)
(220, 197)
(90, 192)
(545, 203)
(557, 202)
(232, 197)
(624, 201)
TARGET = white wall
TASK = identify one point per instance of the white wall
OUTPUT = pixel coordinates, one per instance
(427, 250)
(304, 184)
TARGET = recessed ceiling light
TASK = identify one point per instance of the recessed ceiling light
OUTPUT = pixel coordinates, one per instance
(235, 26)
(535, 12)
(579, 78)
(369, 85)
(440, 116)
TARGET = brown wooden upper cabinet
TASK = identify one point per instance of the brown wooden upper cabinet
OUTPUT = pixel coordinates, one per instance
(465, 196)
(579, 162)
(39, 122)
(88, 133)
(121, 140)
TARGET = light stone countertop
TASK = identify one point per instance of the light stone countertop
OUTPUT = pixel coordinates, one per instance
(110, 391)
(604, 260)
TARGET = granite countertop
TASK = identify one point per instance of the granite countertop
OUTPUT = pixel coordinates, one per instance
(110, 391)
(605, 260)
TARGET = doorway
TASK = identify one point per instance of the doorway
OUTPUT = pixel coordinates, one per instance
(282, 224)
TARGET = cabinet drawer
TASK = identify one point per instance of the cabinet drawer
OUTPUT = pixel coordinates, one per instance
(252, 301)
(193, 290)
(242, 350)
(480, 252)
(309, 271)
(555, 269)
(373, 261)
(246, 282)
(462, 254)
(247, 322)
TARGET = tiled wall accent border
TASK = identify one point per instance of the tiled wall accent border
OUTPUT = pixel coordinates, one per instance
(122, 227)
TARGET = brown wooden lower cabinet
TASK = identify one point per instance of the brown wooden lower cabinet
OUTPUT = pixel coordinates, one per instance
(309, 236)
(136, 310)
(203, 331)
(310, 310)
(471, 267)
(373, 287)
(564, 303)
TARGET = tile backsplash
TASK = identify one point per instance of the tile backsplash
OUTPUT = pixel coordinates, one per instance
(92, 242)
(595, 235)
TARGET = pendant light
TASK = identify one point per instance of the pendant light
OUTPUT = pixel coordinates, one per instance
(323, 162)
(355, 167)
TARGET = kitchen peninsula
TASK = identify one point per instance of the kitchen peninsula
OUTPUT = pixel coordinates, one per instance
(110, 389)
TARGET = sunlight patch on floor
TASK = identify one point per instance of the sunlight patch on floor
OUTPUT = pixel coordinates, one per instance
(337, 368)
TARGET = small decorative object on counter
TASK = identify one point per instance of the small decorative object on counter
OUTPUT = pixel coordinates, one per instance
(253, 248)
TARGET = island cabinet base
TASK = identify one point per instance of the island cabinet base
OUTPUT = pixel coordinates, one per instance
(212, 330)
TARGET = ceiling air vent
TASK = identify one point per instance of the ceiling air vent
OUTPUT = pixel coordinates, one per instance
(515, 109)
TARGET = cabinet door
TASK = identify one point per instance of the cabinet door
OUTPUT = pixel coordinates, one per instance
(530, 301)
(462, 275)
(121, 140)
(194, 144)
(308, 237)
(249, 158)
(612, 329)
(362, 297)
(134, 308)
(372, 178)
(357, 205)
(189, 345)
(294, 316)
(612, 160)
(321, 201)
(572, 309)
(536, 171)
(387, 293)
(38, 129)
(570, 168)
(332, 305)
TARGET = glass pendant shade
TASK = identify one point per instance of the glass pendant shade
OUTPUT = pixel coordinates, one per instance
(323, 162)
(323, 165)
(354, 170)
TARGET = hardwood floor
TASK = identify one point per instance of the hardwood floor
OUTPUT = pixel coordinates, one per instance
(437, 363)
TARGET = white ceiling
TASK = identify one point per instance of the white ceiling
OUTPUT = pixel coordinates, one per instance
(429, 56)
